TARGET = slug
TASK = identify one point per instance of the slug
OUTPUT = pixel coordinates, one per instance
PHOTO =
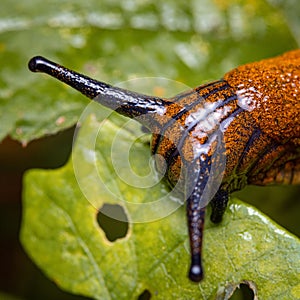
(242, 129)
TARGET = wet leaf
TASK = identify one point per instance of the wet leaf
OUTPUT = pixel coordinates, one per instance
(61, 234)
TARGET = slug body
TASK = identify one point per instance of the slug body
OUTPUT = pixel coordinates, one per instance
(216, 138)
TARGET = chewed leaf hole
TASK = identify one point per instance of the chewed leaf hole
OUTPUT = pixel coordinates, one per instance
(244, 292)
(113, 221)
(145, 295)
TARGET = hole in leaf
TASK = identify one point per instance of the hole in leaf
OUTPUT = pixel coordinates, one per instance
(243, 293)
(113, 221)
(145, 295)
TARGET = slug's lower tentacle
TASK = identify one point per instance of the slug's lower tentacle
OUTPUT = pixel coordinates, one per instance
(127, 103)
(196, 217)
(218, 205)
(196, 180)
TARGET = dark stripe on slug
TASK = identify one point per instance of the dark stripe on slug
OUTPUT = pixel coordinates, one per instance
(201, 98)
(202, 87)
(232, 115)
(175, 153)
(270, 148)
(221, 105)
(227, 100)
(254, 136)
(218, 85)
(187, 108)
(182, 95)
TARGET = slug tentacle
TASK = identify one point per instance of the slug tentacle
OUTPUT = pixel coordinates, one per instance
(218, 206)
(125, 102)
(197, 177)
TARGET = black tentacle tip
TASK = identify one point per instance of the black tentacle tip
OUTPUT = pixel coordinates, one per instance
(216, 218)
(34, 63)
(196, 273)
(39, 63)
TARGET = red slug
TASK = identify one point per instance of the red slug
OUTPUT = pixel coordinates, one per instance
(242, 129)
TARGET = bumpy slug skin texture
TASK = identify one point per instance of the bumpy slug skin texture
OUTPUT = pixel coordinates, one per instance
(270, 90)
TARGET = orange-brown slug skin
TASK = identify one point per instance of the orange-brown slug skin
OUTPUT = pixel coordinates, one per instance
(269, 92)
(216, 138)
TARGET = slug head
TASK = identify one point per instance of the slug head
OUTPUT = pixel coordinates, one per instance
(166, 120)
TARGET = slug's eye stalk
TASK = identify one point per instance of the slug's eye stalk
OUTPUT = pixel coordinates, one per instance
(125, 102)
(38, 64)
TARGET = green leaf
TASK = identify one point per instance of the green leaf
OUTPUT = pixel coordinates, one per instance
(61, 234)
(188, 41)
